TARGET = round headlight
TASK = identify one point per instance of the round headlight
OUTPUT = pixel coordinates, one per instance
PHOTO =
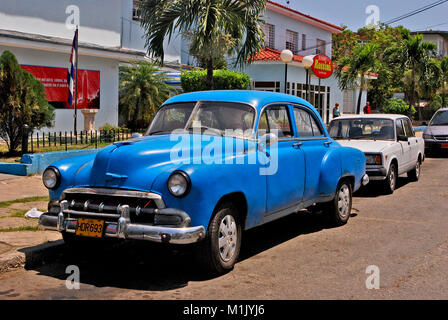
(179, 184)
(51, 178)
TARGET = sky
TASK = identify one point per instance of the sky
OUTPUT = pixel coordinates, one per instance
(352, 13)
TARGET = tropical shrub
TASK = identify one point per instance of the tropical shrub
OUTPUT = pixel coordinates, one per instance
(397, 106)
(23, 102)
(223, 80)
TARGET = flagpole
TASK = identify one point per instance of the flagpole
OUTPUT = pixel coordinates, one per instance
(76, 83)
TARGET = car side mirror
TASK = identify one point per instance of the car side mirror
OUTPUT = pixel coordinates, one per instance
(267, 140)
(402, 138)
(424, 123)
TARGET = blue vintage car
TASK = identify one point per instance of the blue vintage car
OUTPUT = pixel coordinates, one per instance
(211, 165)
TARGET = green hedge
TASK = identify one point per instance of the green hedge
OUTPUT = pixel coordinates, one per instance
(222, 80)
(397, 106)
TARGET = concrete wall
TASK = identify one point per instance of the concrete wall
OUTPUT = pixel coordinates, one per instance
(108, 68)
(282, 23)
(99, 19)
(441, 42)
(276, 72)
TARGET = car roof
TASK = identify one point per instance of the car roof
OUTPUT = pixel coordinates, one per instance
(372, 116)
(257, 99)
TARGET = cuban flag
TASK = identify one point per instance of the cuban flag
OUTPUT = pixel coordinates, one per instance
(71, 70)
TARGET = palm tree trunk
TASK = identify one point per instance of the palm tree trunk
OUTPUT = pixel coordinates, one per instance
(210, 74)
(412, 95)
(358, 106)
(443, 94)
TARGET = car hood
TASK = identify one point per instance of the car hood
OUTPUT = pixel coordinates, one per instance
(367, 146)
(135, 164)
(437, 130)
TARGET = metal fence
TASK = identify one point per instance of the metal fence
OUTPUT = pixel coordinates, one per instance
(63, 140)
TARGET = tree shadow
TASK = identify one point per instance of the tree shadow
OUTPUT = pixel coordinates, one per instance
(376, 189)
(141, 265)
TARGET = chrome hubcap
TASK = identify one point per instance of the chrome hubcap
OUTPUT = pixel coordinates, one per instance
(392, 178)
(227, 238)
(417, 169)
(344, 202)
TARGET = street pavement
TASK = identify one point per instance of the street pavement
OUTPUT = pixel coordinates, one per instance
(298, 257)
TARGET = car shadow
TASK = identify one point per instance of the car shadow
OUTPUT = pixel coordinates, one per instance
(376, 188)
(141, 265)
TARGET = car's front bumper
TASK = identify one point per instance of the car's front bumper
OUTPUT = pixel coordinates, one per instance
(376, 172)
(124, 229)
(435, 146)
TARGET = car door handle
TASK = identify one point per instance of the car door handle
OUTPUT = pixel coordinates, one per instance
(327, 143)
(297, 145)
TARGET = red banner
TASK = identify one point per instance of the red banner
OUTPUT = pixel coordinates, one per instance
(322, 66)
(56, 88)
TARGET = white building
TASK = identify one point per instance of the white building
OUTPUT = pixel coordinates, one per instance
(304, 35)
(439, 38)
(38, 33)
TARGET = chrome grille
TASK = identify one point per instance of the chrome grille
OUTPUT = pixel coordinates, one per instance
(105, 204)
(441, 137)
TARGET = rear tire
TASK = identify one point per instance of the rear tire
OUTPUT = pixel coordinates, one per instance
(218, 253)
(340, 208)
(414, 174)
(391, 180)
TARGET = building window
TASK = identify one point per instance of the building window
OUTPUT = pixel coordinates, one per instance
(303, 42)
(269, 35)
(320, 46)
(136, 14)
(292, 39)
(272, 86)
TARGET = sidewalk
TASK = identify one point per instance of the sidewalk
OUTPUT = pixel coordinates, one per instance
(20, 236)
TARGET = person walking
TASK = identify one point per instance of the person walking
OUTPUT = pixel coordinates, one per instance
(367, 109)
(336, 111)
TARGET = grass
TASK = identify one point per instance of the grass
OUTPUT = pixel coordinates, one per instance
(16, 157)
(28, 228)
(6, 204)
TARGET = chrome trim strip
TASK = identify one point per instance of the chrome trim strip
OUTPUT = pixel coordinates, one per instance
(116, 193)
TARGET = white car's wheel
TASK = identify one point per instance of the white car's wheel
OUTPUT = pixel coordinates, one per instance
(391, 179)
(414, 174)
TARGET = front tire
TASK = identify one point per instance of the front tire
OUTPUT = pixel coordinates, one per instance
(391, 179)
(219, 251)
(414, 174)
(341, 206)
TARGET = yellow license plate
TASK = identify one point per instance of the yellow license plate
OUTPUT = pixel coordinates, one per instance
(90, 228)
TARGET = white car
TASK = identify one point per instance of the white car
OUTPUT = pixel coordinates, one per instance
(388, 141)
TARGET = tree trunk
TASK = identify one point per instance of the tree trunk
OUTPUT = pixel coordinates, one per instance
(358, 106)
(210, 74)
(412, 95)
(443, 94)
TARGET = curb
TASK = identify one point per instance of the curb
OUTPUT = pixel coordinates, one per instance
(30, 257)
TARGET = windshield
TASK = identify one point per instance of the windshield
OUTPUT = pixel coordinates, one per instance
(362, 129)
(170, 118)
(440, 119)
(223, 118)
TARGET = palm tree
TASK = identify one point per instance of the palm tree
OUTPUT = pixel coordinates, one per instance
(444, 69)
(356, 66)
(414, 54)
(142, 91)
(207, 20)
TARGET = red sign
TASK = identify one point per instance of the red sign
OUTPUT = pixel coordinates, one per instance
(56, 88)
(322, 66)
